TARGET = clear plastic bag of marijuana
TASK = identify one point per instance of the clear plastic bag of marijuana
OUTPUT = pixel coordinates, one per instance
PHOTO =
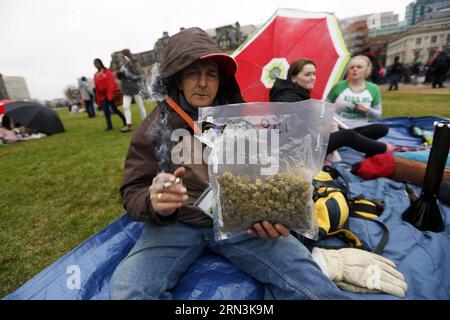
(261, 162)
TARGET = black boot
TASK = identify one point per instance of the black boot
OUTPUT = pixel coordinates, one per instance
(108, 124)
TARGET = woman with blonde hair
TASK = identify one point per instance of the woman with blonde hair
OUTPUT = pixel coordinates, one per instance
(356, 99)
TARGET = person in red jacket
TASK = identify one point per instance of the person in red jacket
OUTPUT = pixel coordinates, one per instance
(105, 88)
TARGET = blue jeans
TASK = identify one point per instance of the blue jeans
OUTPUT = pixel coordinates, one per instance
(162, 254)
(109, 107)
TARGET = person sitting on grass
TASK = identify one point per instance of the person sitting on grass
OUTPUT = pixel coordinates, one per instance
(7, 134)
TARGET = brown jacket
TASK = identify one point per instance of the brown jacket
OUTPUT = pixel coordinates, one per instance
(143, 162)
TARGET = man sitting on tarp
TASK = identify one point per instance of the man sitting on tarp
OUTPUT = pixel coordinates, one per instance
(197, 74)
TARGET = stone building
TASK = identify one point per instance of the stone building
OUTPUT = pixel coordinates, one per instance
(420, 41)
(160, 46)
(3, 92)
(230, 37)
(14, 88)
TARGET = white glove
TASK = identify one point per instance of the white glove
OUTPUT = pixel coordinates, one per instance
(357, 270)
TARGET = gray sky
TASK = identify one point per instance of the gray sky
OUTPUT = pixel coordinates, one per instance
(52, 43)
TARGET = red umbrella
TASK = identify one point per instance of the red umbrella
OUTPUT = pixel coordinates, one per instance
(287, 36)
(2, 105)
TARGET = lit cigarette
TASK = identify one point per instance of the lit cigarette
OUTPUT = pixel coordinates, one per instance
(169, 184)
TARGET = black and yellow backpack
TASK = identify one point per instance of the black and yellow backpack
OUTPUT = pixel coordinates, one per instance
(334, 207)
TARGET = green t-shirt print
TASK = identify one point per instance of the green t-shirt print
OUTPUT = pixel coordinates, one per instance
(346, 100)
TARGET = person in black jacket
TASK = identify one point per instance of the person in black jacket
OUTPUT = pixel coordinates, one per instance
(439, 67)
(297, 87)
(395, 74)
(300, 81)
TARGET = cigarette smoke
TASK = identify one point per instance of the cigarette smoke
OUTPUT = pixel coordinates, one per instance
(161, 129)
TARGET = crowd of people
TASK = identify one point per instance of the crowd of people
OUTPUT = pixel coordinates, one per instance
(435, 72)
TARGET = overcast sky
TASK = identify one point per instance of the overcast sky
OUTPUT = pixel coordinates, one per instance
(51, 43)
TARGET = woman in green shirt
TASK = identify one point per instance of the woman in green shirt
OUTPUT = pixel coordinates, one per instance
(356, 101)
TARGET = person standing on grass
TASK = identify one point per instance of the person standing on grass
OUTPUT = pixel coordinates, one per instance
(395, 74)
(439, 67)
(130, 77)
(87, 96)
(105, 87)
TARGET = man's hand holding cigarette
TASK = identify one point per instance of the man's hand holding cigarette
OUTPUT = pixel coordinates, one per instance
(167, 192)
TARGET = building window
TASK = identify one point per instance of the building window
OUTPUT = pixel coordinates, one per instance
(418, 41)
(433, 39)
(224, 44)
(448, 38)
(416, 55)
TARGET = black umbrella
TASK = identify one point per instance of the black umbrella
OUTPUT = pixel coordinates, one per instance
(34, 115)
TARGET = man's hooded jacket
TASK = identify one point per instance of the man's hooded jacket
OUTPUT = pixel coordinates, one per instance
(150, 147)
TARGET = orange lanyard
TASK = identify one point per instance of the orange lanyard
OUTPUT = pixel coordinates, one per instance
(184, 115)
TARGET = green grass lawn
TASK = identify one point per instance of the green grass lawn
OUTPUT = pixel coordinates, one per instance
(401, 103)
(58, 191)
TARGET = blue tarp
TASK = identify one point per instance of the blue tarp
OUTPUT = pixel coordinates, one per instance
(420, 155)
(399, 130)
(423, 257)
